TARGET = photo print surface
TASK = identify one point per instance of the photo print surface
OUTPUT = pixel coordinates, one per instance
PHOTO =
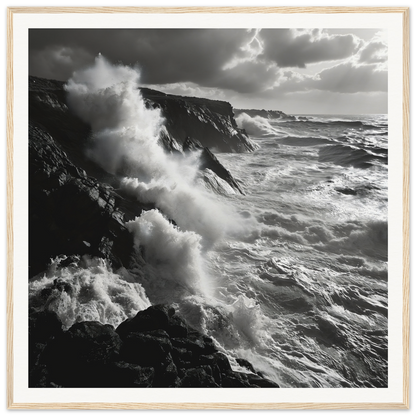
(208, 208)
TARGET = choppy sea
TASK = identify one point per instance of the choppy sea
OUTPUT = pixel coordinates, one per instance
(310, 288)
(291, 276)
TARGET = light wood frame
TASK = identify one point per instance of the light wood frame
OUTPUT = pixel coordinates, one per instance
(404, 11)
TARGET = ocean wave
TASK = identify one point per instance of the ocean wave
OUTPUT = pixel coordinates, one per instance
(303, 141)
(358, 301)
(256, 126)
(355, 124)
(174, 260)
(345, 155)
(368, 238)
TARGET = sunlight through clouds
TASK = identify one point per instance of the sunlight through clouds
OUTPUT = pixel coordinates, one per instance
(259, 65)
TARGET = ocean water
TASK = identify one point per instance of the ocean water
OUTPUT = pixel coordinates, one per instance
(310, 285)
(291, 276)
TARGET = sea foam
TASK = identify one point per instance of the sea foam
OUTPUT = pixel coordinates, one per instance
(86, 289)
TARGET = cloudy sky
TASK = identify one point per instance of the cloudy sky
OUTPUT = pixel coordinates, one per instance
(329, 71)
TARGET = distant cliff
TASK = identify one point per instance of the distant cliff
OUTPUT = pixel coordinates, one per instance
(270, 114)
(210, 122)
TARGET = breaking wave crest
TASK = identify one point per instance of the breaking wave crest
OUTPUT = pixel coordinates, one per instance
(125, 142)
(256, 126)
(349, 156)
(174, 258)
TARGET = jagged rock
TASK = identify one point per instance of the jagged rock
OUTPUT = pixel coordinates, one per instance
(197, 345)
(90, 354)
(216, 359)
(177, 328)
(166, 373)
(122, 374)
(43, 325)
(158, 333)
(168, 142)
(197, 377)
(182, 357)
(39, 376)
(78, 357)
(210, 121)
(144, 349)
(191, 145)
(244, 363)
(153, 318)
(69, 212)
(208, 160)
(235, 379)
(218, 363)
(257, 381)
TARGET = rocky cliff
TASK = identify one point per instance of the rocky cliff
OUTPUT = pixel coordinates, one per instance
(71, 212)
(208, 121)
(270, 114)
(75, 209)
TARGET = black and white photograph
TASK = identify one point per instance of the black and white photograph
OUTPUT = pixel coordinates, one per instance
(208, 208)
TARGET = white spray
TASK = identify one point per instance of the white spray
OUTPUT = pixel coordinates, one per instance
(125, 142)
(87, 289)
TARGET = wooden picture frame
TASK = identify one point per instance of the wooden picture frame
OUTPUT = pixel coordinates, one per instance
(16, 318)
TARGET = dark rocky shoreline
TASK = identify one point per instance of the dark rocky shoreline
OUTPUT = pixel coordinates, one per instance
(156, 348)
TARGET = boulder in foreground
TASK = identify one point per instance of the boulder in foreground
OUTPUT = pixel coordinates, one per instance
(155, 348)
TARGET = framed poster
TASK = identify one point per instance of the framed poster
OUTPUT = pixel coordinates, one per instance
(203, 201)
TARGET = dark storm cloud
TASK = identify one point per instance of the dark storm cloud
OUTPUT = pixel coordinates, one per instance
(247, 77)
(239, 61)
(58, 62)
(164, 55)
(288, 48)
